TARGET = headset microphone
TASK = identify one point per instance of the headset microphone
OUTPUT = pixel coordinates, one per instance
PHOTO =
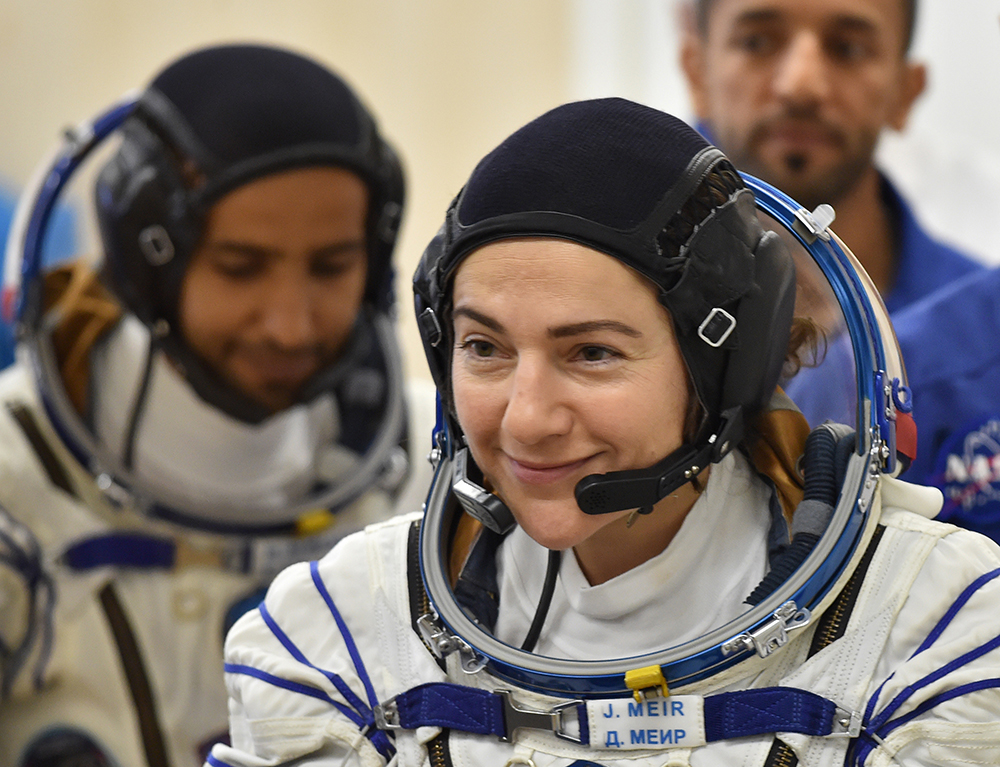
(643, 488)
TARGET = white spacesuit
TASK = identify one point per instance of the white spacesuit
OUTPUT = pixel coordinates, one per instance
(864, 632)
(146, 502)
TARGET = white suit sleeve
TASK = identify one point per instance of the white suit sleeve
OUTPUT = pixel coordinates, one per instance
(295, 694)
(940, 701)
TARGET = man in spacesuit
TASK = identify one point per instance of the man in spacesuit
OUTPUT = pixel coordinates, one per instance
(218, 396)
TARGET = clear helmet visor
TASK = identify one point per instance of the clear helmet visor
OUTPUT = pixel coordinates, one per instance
(852, 374)
(241, 477)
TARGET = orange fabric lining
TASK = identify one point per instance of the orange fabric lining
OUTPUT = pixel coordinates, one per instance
(781, 439)
(85, 311)
(466, 532)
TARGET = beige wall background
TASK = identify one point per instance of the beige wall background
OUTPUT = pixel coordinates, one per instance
(448, 79)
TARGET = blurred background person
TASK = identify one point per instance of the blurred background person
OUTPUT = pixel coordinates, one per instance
(219, 395)
(949, 342)
(798, 92)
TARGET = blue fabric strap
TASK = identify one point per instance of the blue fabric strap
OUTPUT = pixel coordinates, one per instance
(767, 710)
(122, 550)
(727, 715)
(438, 704)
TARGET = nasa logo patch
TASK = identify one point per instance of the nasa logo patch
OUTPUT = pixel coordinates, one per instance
(967, 469)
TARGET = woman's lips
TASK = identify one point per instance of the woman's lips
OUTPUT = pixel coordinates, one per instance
(534, 473)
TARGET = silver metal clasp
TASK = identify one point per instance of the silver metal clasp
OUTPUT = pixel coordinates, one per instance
(443, 643)
(769, 636)
(386, 715)
(553, 720)
(716, 327)
(846, 723)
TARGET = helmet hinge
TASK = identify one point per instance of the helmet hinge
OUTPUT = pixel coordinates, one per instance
(443, 643)
(772, 634)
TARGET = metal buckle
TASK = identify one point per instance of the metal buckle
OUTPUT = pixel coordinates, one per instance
(711, 329)
(440, 641)
(553, 720)
(846, 724)
(386, 715)
(767, 638)
(429, 323)
(156, 245)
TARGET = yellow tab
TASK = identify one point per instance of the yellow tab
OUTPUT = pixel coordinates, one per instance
(313, 522)
(639, 680)
(187, 554)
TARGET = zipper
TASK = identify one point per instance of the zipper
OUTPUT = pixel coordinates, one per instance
(437, 751)
(781, 755)
(420, 603)
(140, 687)
(831, 627)
(834, 621)
(828, 632)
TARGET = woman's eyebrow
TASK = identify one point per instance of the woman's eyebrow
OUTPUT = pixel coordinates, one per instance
(562, 331)
(578, 328)
(475, 316)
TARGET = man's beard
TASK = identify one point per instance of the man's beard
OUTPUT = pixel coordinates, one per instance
(796, 176)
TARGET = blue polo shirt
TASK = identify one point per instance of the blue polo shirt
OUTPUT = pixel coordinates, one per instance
(951, 344)
(923, 264)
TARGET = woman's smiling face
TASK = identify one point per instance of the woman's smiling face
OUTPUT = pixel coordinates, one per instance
(564, 365)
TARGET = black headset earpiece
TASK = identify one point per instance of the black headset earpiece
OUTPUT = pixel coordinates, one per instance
(753, 370)
(148, 223)
(385, 217)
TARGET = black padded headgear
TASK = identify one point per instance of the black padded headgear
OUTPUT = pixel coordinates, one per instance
(212, 121)
(647, 189)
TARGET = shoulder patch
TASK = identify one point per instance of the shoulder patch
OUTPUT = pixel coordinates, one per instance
(967, 470)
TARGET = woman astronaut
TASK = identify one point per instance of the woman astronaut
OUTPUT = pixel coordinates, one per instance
(634, 551)
(217, 397)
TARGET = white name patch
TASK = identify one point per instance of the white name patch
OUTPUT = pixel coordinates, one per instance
(622, 723)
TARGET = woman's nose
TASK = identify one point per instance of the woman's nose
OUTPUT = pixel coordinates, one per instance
(537, 407)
